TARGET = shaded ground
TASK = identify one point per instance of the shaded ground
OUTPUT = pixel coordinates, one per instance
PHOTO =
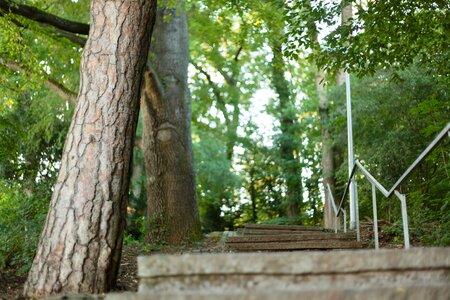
(11, 284)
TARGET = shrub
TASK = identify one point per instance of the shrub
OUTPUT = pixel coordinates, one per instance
(21, 221)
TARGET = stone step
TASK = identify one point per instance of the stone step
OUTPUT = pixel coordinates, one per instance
(290, 237)
(251, 231)
(294, 245)
(411, 292)
(270, 229)
(293, 271)
(283, 227)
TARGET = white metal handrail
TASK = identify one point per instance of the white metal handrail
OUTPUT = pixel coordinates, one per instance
(387, 193)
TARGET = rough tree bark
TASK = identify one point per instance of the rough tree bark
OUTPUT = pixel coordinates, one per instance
(80, 247)
(292, 169)
(171, 188)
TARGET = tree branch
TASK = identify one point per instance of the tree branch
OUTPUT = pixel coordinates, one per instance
(41, 16)
(228, 79)
(213, 85)
(55, 86)
(220, 101)
(236, 57)
(79, 40)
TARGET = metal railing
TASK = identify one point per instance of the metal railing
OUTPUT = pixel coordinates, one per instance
(387, 193)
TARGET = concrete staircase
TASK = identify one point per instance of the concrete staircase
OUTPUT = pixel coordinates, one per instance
(420, 273)
(264, 237)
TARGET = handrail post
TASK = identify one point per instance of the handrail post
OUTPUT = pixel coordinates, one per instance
(335, 224)
(345, 220)
(332, 204)
(402, 198)
(375, 216)
(358, 232)
(351, 157)
(330, 207)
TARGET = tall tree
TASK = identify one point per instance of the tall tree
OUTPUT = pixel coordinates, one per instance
(288, 141)
(167, 146)
(81, 243)
(288, 146)
(221, 46)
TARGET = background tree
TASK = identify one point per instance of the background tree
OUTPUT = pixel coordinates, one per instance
(167, 146)
(221, 51)
(288, 139)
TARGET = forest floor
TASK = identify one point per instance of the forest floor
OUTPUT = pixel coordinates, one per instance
(11, 284)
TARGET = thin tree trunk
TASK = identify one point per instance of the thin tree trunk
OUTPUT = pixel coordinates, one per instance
(328, 167)
(171, 188)
(80, 247)
(292, 169)
(253, 194)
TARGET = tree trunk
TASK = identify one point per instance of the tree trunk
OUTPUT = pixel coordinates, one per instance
(137, 185)
(291, 166)
(328, 167)
(171, 189)
(253, 194)
(80, 247)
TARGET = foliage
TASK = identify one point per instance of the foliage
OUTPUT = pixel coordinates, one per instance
(137, 199)
(216, 182)
(38, 50)
(382, 34)
(33, 126)
(264, 184)
(21, 220)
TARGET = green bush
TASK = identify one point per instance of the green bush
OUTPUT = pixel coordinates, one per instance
(21, 221)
